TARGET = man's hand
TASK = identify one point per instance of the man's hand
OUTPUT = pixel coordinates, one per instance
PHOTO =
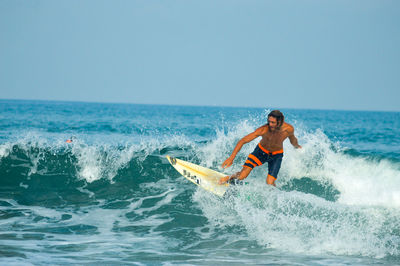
(228, 162)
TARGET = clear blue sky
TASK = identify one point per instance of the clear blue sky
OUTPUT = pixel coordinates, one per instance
(338, 54)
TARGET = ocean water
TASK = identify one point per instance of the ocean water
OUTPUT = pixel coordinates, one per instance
(111, 198)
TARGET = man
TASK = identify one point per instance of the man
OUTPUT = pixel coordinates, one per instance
(270, 148)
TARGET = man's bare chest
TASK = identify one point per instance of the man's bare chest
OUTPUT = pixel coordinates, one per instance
(274, 137)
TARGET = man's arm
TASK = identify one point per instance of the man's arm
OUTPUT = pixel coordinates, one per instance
(292, 138)
(246, 139)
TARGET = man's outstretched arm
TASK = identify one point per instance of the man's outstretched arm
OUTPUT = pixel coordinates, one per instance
(293, 139)
(228, 162)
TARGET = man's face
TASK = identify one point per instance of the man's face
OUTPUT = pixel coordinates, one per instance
(272, 123)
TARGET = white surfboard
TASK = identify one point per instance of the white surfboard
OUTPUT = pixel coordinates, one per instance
(201, 176)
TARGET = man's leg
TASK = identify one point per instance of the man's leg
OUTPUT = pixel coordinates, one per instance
(243, 173)
(274, 165)
(239, 175)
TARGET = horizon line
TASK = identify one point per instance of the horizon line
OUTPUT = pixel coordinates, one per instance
(189, 105)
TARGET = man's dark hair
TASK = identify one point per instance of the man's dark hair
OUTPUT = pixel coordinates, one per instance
(279, 117)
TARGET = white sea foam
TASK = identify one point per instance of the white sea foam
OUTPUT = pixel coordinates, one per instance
(301, 223)
(359, 180)
(5, 149)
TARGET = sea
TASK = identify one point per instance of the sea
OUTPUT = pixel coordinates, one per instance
(89, 184)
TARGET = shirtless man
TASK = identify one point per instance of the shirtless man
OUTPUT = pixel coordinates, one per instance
(270, 148)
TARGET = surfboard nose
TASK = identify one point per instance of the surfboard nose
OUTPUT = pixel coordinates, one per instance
(171, 160)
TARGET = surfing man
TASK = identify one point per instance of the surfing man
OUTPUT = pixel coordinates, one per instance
(269, 149)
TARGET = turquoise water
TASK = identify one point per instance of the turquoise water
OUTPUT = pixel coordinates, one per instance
(111, 197)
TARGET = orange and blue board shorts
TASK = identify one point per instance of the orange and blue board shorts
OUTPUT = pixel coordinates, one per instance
(260, 156)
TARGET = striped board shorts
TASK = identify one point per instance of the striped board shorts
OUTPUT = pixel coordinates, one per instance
(260, 156)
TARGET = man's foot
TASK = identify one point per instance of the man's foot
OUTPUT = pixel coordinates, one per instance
(224, 179)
